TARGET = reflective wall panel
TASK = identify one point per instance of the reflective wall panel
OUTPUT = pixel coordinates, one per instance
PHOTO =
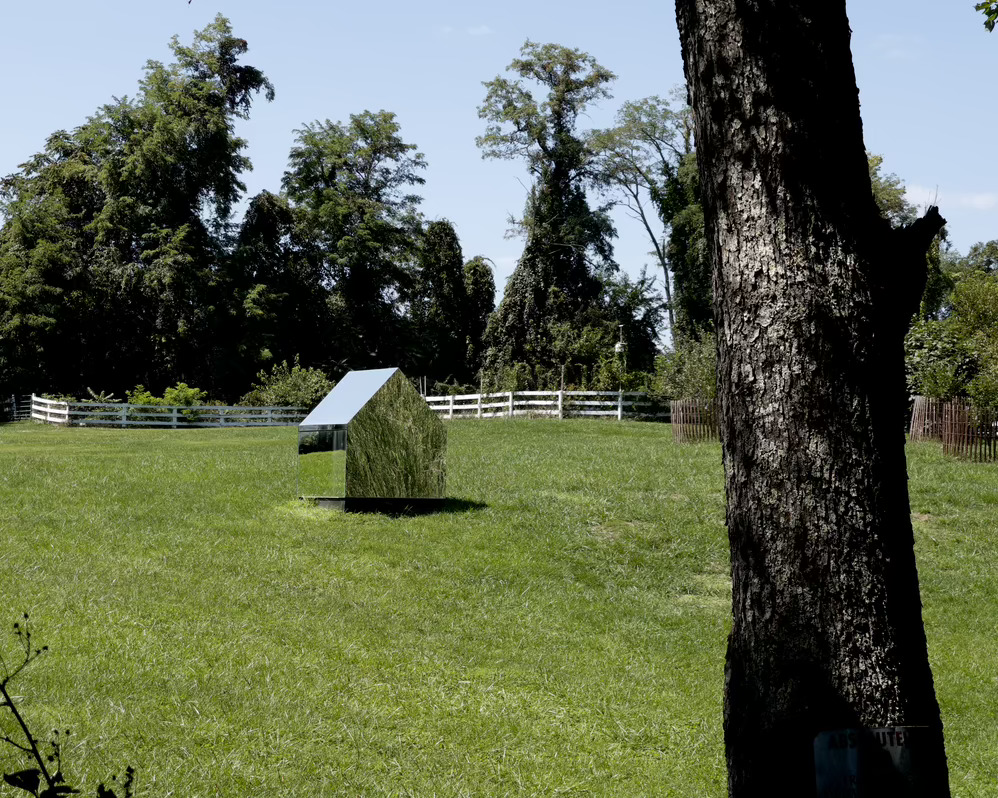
(396, 446)
(322, 463)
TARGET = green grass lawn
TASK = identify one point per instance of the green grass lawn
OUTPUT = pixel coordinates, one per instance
(560, 632)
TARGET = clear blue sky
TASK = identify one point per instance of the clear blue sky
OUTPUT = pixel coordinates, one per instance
(924, 68)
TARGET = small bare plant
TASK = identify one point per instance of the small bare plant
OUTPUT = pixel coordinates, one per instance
(44, 777)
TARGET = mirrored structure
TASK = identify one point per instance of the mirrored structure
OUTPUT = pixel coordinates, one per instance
(372, 444)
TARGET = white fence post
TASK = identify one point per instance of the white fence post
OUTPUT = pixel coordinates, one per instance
(173, 417)
(124, 416)
(510, 404)
(561, 404)
(479, 405)
(450, 412)
(620, 405)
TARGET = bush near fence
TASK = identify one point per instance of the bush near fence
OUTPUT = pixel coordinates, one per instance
(97, 414)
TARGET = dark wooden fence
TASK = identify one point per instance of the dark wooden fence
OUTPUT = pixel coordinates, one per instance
(970, 432)
(15, 407)
(694, 420)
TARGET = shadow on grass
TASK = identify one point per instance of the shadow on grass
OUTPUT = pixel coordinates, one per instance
(461, 506)
(396, 508)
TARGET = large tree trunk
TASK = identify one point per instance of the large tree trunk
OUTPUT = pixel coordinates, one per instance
(813, 295)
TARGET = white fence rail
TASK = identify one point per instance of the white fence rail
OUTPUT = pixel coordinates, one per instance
(97, 414)
(557, 404)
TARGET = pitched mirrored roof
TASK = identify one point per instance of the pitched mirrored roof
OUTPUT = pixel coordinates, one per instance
(347, 398)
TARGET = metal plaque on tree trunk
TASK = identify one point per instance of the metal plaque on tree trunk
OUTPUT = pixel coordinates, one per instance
(856, 763)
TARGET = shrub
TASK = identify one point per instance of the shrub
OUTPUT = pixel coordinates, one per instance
(102, 397)
(688, 371)
(180, 395)
(288, 386)
(983, 389)
(452, 388)
(140, 396)
(940, 362)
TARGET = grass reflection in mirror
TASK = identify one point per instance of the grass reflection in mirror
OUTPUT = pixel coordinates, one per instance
(396, 446)
(322, 475)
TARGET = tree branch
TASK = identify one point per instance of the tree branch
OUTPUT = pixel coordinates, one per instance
(907, 247)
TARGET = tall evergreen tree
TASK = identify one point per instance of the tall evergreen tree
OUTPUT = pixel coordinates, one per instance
(480, 290)
(439, 306)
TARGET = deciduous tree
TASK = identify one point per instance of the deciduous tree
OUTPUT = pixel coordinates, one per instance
(112, 251)
(813, 294)
(359, 224)
(638, 162)
(568, 248)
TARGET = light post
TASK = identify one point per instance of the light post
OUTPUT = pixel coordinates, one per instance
(621, 351)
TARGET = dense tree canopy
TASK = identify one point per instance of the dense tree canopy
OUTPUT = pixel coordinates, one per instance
(955, 353)
(122, 262)
(359, 224)
(112, 248)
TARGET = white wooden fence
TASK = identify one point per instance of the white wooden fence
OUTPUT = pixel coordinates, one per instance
(557, 404)
(508, 404)
(96, 414)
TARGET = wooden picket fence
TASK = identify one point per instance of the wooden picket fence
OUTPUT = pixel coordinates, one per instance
(554, 404)
(96, 414)
(970, 432)
(694, 420)
(926, 419)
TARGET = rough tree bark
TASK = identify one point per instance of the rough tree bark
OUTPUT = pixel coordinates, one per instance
(813, 295)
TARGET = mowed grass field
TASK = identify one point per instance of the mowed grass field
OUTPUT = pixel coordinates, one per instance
(560, 630)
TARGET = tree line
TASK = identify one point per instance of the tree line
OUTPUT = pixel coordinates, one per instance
(951, 346)
(123, 262)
